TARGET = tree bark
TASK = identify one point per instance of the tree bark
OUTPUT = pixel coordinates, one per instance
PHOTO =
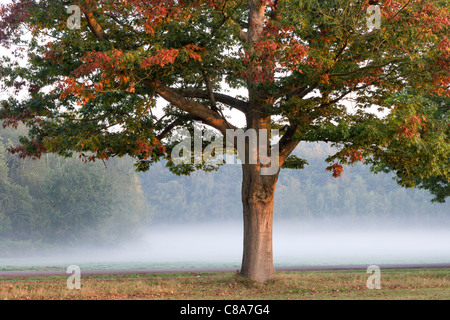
(257, 199)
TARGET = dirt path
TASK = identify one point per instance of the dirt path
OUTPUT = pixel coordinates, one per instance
(33, 273)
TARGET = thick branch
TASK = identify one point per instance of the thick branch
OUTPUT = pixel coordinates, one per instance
(256, 20)
(94, 25)
(196, 109)
(219, 97)
(288, 143)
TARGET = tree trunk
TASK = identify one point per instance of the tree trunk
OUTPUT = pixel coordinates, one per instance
(257, 199)
(257, 190)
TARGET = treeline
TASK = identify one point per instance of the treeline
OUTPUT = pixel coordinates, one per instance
(301, 194)
(57, 200)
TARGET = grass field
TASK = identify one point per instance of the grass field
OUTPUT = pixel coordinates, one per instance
(405, 284)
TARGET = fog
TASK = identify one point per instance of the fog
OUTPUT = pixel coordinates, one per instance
(296, 243)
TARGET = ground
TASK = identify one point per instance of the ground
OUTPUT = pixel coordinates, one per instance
(404, 284)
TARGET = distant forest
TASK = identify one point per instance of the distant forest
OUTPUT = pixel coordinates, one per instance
(301, 194)
(54, 199)
(57, 200)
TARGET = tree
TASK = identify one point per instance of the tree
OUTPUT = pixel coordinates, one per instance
(60, 200)
(95, 88)
(15, 200)
(439, 185)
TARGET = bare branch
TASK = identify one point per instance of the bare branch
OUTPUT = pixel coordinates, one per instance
(219, 97)
(195, 109)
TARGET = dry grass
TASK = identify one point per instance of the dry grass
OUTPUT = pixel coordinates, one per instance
(396, 284)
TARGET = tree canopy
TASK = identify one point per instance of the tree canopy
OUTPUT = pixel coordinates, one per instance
(308, 57)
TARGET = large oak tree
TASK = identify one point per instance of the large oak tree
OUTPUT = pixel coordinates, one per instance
(93, 89)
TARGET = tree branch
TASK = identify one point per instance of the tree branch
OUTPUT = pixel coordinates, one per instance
(211, 97)
(94, 25)
(243, 35)
(195, 109)
(302, 92)
(219, 97)
(288, 143)
(403, 8)
(169, 128)
(365, 68)
(275, 14)
(243, 25)
(120, 23)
